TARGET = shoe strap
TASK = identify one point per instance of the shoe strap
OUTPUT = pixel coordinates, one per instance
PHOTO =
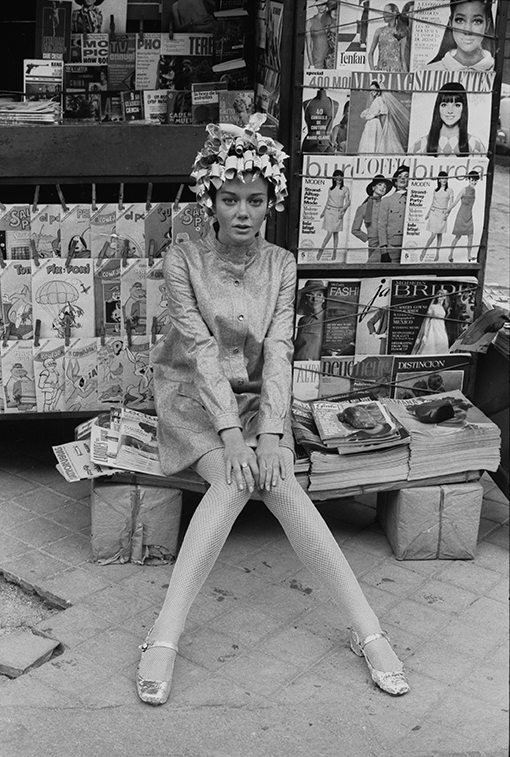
(373, 637)
(150, 644)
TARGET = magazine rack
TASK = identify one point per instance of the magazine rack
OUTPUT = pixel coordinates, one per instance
(356, 271)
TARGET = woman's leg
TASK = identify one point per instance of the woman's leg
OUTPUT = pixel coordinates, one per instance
(202, 543)
(316, 546)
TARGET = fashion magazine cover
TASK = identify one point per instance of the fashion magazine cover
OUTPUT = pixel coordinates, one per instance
(325, 111)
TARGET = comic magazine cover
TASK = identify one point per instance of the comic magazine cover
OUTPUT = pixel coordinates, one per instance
(63, 298)
(75, 231)
(110, 370)
(379, 113)
(236, 106)
(49, 371)
(325, 318)
(96, 17)
(82, 107)
(435, 47)
(15, 231)
(137, 373)
(132, 105)
(189, 221)
(325, 111)
(108, 312)
(426, 315)
(325, 209)
(18, 381)
(158, 228)
(111, 107)
(130, 227)
(53, 29)
(16, 290)
(103, 231)
(158, 320)
(43, 79)
(45, 230)
(122, 62)
(133, 296)
(445, 213)
(451, 113)
(81, 375)
(155, 103)
(179, 106)
(389, 35)
(89, 48)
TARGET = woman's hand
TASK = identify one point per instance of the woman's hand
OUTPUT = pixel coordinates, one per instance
(271, 461)
(240, 461)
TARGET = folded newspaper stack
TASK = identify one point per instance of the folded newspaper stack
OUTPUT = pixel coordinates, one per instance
(467, 441)
(115, 442)
(29, 112)
(364, 464)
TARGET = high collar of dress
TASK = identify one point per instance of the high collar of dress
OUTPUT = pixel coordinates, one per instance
(237, 253)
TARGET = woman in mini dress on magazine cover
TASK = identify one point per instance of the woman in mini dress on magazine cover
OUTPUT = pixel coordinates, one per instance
(463, 225)
(387, 123)
(339, 200)
(432, 337)
(448, 133)
(223, 376)
(437, 214)
(390, 42)
(469, 39)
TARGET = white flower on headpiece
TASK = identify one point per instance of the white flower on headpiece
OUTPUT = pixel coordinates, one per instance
(233, 151)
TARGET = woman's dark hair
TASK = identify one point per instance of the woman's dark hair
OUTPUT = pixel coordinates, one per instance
(448, 43)
(474, 175)
(441, 175)
(451, 92)
(337, 174)
(375, 84)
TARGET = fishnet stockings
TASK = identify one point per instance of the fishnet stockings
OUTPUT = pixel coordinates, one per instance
(309, 536)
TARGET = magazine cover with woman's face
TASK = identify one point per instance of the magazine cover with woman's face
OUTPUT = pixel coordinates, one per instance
(451, 112)
(445, 211)
(451, 35)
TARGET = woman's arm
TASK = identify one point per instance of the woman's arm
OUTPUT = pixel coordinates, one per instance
(359, 217)
(372, 50)
(458, 199)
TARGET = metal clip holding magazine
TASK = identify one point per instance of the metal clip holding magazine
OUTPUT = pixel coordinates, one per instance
(129, 328)
(149, 197)
(35, 254)
(7, 333)
(37, 333)
(94, 198)
(36, 197)
(124, 254)
(102, 333)
(154, 329)
(61, 198)
(152, 247)
(67, 334)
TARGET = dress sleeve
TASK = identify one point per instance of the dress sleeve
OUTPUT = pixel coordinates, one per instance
(277, 370)
(198, 344)
(359, 217)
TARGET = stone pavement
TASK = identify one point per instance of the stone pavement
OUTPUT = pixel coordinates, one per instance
(264, 668)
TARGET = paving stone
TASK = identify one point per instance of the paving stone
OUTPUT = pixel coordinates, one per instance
(72, 672)
(232, 582)
(41, 501)
(73, 626)
(260, 672)
(10, 546)
(470, 639)
(392, 578)
(417, 618)
(484, 608)
(116, 604)
(73, 515)
(13, 515)
(22, 649)
(14, 486)
(151, 581)
(442, 663)
(493, 557)
(215, 690)
(35, 565)
(272, 564)
(76, 490)
(500, 536)
(480, 722)
(469, 575)
(74, 584)
(208, 648)
(499, 512)
(295, 646)
(281, 603)
(245, 624)
(485, 528)
(74, 549)
(114, 573)
(360, 561)
(113, 648)
(26, 691)
(487, 682)
(443, 596)
(379, 600)
(373, 541)
(39, 531)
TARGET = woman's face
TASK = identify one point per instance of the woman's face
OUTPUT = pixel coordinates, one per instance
(315, 301)
(388, 14)
(442, 181)
(240, 209)
(450, 113)
(379, 189)
(374, 91)
(339, 181)
(473, 182)
(469, 23)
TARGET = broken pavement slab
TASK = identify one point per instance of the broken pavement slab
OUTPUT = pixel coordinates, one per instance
(22, 649)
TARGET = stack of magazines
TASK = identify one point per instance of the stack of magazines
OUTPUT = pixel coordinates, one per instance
(379, 455)
(115, 442)
(448, 435)
(29, 112)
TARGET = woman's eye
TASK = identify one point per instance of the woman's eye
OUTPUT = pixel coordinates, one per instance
(256, 202)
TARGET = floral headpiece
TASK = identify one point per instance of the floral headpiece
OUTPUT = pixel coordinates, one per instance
(233, 151)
